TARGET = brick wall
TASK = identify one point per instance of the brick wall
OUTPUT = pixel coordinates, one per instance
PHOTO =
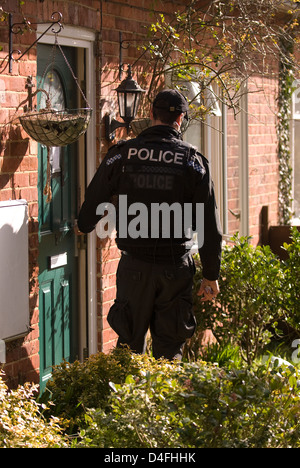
(18, 180)
(263, 161)
(18, 154)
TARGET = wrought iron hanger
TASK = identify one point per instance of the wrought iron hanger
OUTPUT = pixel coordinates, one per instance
(17, 28)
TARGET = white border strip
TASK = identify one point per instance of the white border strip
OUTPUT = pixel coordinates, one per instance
(83, 38)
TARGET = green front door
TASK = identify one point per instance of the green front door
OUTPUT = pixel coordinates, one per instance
(57, 252)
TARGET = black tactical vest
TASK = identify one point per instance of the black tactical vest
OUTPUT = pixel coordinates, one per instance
(154, 185)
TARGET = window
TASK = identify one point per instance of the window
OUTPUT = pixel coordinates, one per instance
(295, 128)
(208, 137)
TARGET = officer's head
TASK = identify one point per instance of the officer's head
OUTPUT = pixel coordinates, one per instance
(168, 106)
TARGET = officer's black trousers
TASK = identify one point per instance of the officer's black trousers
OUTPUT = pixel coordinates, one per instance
(154, 296)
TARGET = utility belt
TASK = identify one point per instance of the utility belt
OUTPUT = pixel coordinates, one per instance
(156, 256)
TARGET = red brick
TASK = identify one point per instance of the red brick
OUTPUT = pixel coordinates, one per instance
(110, 267)
(108, 294)
(19, 165)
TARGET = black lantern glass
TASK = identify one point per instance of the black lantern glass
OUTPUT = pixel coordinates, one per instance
(129, 96)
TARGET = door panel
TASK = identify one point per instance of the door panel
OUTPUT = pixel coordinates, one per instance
(57, 253)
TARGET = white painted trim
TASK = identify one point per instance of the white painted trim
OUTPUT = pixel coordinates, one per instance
(294, 117)
(213, 151)
(72, 36)
(244, 165)
(82, 38)
(224, 157)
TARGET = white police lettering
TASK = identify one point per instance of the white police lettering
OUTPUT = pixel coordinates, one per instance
(154, 155)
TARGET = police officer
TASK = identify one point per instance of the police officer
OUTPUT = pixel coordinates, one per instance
(155, 273)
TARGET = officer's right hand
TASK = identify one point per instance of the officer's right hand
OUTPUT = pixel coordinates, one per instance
(208, 289)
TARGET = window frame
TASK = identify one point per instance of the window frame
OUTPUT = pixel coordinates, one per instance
(294, 118)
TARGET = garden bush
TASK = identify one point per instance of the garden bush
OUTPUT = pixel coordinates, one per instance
(124, 400)
(257, 291)
(196, 405)
(291, 283)
(75, 387)
(22, 424)
(148, 403)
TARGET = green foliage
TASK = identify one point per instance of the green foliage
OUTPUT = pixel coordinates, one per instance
(3, 15)
(135, 401)
(196, 405)
(286, 89)
(250, 298)
(257, 291)
(22, 424)
(222, 44)
(124, 400)
(291, 283)
(75, 387)
(223, 354)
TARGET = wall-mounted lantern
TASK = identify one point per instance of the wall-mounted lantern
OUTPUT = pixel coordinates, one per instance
(129, 96)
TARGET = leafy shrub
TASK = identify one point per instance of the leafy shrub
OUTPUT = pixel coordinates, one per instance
(75, 387)
(22, 423)
(196, 405)
(223, 354)
(250, 299)
(291, 284)
(123, 400)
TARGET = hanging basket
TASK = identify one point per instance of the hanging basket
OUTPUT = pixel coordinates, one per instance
(56, 128)
(138, 125)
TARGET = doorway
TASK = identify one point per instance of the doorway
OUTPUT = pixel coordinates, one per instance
(58, 259)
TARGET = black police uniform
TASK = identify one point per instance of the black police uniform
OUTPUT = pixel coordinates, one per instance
(155, 274)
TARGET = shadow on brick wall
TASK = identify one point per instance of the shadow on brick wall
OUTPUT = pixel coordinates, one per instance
(13, 148)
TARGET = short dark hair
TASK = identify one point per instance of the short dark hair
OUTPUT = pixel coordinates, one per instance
(168, 105)
(165, 116)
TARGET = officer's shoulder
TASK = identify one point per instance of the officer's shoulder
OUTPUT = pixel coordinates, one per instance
(118, 145)
(195, 153)
(204, 159)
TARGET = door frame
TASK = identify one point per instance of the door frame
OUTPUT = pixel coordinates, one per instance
(84, 39)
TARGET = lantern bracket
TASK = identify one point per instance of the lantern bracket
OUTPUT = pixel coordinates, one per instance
(111, 126)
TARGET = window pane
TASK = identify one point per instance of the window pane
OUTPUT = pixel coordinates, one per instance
(54, 88)
(297, 167)
(296, 102)
(194, 135)
(129, 104)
